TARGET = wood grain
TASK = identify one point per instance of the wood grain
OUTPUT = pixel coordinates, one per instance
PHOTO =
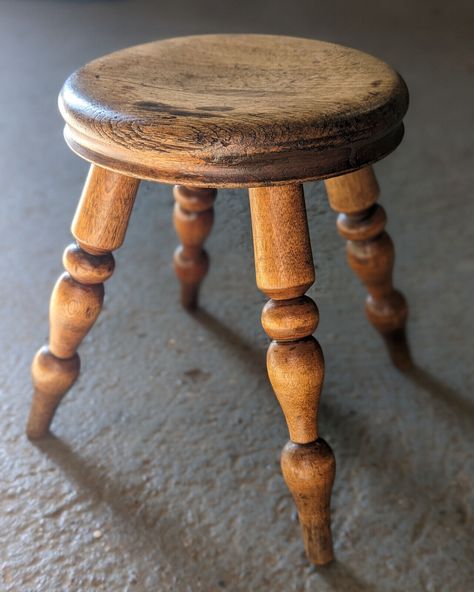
(285, 270)
(234, 110)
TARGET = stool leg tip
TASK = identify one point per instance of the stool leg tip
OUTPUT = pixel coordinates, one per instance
(399, 350)
(33, 433)
(52, 378)
(318, 546)
(309, 471)
(39, 420)
(189, 297)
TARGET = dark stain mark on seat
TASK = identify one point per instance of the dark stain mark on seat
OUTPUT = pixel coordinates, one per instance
(170, 110)
(219, 109)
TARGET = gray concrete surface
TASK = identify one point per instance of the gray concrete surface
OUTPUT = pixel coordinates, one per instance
(163, 472)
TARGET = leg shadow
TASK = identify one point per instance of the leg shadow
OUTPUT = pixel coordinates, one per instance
(340, 577)
(146, 527)
(245, 351)
(441, 392)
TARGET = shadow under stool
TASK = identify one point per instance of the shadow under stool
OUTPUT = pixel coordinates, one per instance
(216, 111)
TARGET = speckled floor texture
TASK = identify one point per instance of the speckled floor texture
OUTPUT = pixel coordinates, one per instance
(163, 470)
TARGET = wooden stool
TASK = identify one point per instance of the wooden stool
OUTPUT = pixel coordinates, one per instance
(255, 111)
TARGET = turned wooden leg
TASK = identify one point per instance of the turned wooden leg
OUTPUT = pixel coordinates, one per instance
(99, 227)
(295, 363)
(193, 216)
(371, 255)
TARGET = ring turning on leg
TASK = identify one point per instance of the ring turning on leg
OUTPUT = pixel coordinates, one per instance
(295, 363)
(99, 227)
(371, 255)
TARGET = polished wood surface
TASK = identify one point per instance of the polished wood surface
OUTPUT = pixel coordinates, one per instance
(371, 255)
(193, 216)
(285, 270)
(234, 110)
(99, 225)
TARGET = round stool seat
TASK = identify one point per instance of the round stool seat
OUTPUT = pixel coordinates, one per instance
(234, 110)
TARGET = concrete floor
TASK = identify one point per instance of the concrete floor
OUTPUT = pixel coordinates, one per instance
(163, 472)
